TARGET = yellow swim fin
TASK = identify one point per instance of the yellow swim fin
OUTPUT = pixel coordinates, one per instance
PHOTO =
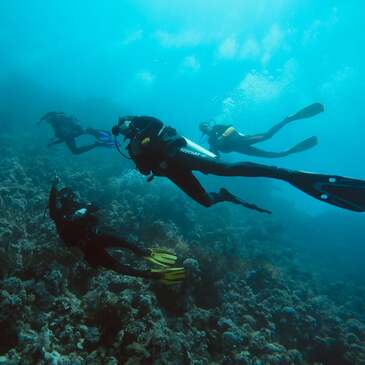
(170, 276)
(161, 257)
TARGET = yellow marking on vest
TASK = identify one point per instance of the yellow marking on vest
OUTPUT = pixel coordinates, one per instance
(146, 141)
(228, 132)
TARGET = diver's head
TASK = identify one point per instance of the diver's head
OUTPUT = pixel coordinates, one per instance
(123, 126)
(205, 128)
(67, 201)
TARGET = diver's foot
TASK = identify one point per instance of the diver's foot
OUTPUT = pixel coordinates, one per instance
(225, 195)
(228, 197)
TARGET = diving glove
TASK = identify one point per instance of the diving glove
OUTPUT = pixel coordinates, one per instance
(161, 257)
(170, 276)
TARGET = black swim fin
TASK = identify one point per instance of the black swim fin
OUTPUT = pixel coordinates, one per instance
(304, 145)
(307, 112)
(340, 191)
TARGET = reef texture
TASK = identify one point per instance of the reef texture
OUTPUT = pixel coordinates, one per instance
(249, 298)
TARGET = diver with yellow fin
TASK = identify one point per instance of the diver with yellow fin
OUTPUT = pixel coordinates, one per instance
(159, 150)
(78, 226)
(226, 139)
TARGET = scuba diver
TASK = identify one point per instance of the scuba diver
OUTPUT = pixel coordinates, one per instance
(67, 129)
(159, 150)
(226, 139)
(78, 226)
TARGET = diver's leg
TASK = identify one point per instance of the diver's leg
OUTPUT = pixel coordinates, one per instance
(190, 185)
(253, 151)
(157, 256)
(261, 137)
(111, 240)
(300, 147)
(341, 191)
(103, 138)
(98, 256)
(71, 144)
(207, 165)
(307, 112)
(100, 135)
(92, 132)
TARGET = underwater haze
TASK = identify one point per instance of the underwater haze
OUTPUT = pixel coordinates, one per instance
(282, 289)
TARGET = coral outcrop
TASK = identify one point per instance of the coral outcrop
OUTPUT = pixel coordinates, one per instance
(249, 298)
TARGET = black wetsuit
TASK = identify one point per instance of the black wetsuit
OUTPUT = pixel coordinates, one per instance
(85, 233)
(240, 143)
(66, 130)
(165, 153)
(162, 151)
(214, 139)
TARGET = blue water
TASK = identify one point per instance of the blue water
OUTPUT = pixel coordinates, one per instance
(249, 63)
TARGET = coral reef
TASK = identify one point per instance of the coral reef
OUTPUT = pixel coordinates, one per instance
(248, 300)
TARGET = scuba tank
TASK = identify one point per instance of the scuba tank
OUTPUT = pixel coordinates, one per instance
(192, 147)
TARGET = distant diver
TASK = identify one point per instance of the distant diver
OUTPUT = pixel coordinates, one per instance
(159, 150)
(226, 139)
(67, 129)
(78, 226)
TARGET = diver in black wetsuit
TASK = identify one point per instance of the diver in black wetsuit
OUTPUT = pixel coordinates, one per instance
(78, 226)
(160, 150)
(67, 129)
(226, 139)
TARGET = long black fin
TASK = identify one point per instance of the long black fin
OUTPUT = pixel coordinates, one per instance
(308, 112)
(340, 191)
